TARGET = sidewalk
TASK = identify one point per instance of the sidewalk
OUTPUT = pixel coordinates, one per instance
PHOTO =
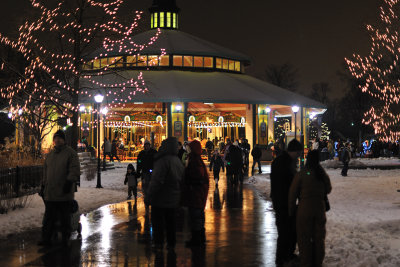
(240, 232)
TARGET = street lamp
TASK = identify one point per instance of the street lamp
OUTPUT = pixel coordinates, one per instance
(104, 111)
(295, 109)
(99, 99)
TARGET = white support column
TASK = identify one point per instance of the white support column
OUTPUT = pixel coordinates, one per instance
(249, 124)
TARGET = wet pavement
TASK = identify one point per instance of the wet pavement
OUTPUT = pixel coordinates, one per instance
(240, 229)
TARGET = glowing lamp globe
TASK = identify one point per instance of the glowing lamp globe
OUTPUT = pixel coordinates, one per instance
(295, 109)
(98, 98)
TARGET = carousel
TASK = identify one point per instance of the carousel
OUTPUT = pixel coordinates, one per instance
(194, 90)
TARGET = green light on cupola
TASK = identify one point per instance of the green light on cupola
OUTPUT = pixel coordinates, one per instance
(164, 14)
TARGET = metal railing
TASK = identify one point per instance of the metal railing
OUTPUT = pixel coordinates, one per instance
(20, 181)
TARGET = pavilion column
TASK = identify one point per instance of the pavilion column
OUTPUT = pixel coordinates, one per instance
(271, 125)
(169, 120)
(185, 121)
(249, 126)
(176, 120)
(262, 125)
(254, 122)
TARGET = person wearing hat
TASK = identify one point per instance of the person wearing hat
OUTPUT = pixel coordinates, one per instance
(145, 161)
(60, 175)
(283, 170)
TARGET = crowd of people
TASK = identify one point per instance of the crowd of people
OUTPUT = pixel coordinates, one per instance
(176, 176)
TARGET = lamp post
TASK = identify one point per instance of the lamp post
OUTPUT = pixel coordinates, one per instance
(104, 111)
(295, 109)
(99, 99)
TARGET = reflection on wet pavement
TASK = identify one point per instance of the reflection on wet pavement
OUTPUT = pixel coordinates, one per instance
(240, 232)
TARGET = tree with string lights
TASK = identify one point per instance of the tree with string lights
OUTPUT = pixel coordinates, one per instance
(379, 73)
(54, 47)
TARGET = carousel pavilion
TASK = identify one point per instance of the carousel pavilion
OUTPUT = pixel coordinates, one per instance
(196, 89)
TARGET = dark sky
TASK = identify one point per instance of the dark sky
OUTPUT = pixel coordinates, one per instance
(313, 35)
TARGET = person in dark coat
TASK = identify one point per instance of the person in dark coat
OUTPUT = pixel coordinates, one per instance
(114, 147)
(216, 165)
(345, 157)
(310, 186)
(209, 148)
(131, 179)
(256, 154)
(60, 174)
(234, 163)
(283, 170)
(181, 150)
(196, 183)
(164, 192)
(145, 163)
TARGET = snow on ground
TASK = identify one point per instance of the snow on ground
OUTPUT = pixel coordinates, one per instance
(362, 162)
(88, 197)
(363, 225)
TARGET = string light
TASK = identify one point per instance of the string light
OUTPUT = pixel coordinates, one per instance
(61, 64)
(377, 73)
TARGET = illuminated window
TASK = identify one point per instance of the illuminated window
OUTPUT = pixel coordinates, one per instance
(208, 62)
(188, 61)
(225, 64)
(152, 21)
(161, 19)
(218, 63)
(104, 62)
(155, 20)
(164, 61)
(87, 65)
(96, 64)
(169, 19)
(198, 62)
(153, 61)
(174, 21)
(142, 61)
(178, 61)
(231, 65)
(237, 66)
(116, 62)
(131, 61)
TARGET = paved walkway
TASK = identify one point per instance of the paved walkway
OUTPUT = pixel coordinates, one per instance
(240, 232)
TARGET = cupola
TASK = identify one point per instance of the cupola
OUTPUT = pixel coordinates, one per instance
(164, 14)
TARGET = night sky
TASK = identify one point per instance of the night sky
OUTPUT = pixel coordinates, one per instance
(313, 35)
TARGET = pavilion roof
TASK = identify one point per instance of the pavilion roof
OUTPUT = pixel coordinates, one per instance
(206, 87)
(175, 43)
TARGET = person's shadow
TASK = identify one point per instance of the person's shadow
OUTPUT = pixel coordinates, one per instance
(159, 259)
(217, 200)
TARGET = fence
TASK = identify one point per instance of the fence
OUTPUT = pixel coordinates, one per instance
(20, 181)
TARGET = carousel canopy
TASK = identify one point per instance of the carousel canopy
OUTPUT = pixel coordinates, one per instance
(206, 87)
(175, 43)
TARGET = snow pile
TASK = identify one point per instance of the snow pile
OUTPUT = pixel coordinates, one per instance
(363, 227)
(362, 162)
(88, 197)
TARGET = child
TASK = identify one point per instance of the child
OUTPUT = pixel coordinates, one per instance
(216, 164)
(131, 179)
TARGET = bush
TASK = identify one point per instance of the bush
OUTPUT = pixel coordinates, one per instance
(14, 203)
(90, 172)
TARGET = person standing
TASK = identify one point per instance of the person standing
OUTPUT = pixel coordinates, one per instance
(345, 157)
(216, 164)
(164, 193)
(310, 186)
(256, 154)
(107, 149)
(210, 148)
(234, 163)
(114, 149)
(131, 179)
(283, 170)
(196, 183)
(60, 175)
(145, 161)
